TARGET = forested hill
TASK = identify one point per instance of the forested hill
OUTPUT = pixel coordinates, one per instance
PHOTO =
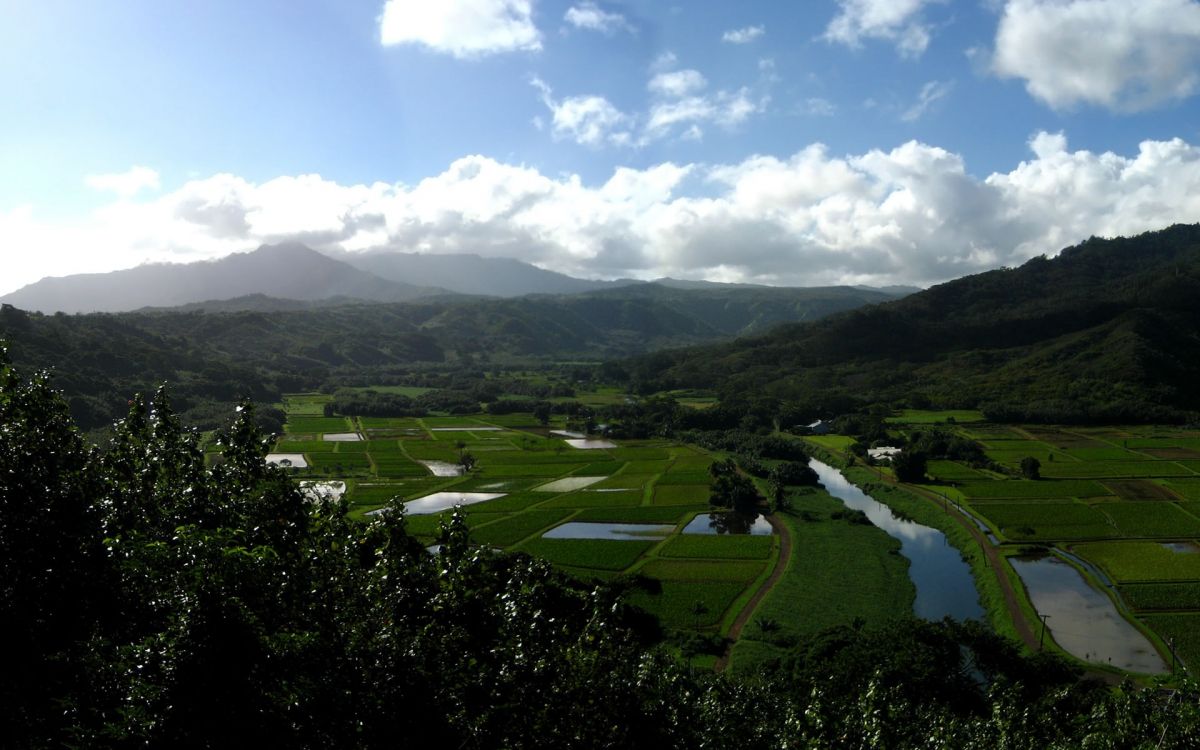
(1107, 330)
(102, 359)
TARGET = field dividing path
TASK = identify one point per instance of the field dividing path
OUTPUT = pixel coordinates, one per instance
(785, 554)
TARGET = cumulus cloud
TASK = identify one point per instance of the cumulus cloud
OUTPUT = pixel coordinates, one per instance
(930, 93)
(587, 120)
(898, 21)
(462, 28)
(125, 184)
(592, 17)
(911, 214)
(677, 83)
(1122, 55)
(743, 36)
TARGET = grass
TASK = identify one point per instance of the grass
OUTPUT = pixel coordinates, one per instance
(314, 425)
(918, 416)
(586, 499)
(601, 554)
(1141, 561)
(681, 494)
(514, 528)
(638, 514)
(952, 471)
(1144, 597)
(702, 570)
(1184, 630)
(719, 547)
(1151, 519)
(1114, 469)
(1048, 521)
(837, 573)
(674, 605)
(1019, 488)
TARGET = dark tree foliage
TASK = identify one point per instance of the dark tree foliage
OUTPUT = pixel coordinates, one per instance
(730, 489)
(1031, 468)
(149, 599)
(909, 466)
(371, 403)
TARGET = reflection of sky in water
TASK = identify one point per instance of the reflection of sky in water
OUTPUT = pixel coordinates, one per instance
(1083, 620)
(601, 530)
(440, 501)
(943, 581)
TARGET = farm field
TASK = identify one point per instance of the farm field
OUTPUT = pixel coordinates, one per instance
(1124, 499)
(635, 499)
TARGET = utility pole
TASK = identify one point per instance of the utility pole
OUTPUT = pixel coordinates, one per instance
(1042, 638)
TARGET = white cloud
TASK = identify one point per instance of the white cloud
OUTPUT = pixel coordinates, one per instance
(725, 108)
(677, 83)
(587, 120)
(898, 21)
(462, 28)
(912, 214)
(743, 36)
(931, 92)
(588, 15)
(1124, 55)
(125, 184)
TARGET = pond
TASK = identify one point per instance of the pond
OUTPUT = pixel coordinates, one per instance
(442, 468)
(1182, 548)
(568, 434)
(1083, 620)
(439, 501)
(294, 460)
(569, 484)
(729, 523)
(596, 530)
(590, 444)
(341, 437)
(943, 581)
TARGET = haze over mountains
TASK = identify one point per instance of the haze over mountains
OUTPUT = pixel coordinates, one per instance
(292, 276)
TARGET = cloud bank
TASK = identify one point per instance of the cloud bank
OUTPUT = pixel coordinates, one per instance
(912, 214)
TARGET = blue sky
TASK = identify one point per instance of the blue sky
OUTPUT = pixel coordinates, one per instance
(814, 142)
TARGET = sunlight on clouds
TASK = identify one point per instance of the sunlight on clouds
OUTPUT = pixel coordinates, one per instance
(125, 184)
(912, 214)
(1118, 54)
(462, 28)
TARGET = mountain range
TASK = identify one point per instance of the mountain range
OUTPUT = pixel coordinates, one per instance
(291, 276)
(1107, 331)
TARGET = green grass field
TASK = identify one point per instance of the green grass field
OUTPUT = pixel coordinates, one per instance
(1141, 561)
(1182, 629)
(719, 547)
(1145, 597)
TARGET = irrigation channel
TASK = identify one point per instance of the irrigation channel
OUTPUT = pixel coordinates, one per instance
(943, 581)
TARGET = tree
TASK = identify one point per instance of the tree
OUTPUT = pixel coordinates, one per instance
(1031, 468)
(541, 413)
(909, 466)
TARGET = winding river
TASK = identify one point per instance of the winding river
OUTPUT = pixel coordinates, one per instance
(943, 581)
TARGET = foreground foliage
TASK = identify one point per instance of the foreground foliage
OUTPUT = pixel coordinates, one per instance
(153, 600)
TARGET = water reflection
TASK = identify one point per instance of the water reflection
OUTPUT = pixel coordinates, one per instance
(597, 530)
(729, 523)
(1082, 620)
(943, 581)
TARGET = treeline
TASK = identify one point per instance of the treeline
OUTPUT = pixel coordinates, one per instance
(150, 599)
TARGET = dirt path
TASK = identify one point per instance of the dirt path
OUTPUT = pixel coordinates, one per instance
(995, 561)
(785, 554)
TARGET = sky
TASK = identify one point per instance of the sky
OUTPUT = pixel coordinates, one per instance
(798, 142)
